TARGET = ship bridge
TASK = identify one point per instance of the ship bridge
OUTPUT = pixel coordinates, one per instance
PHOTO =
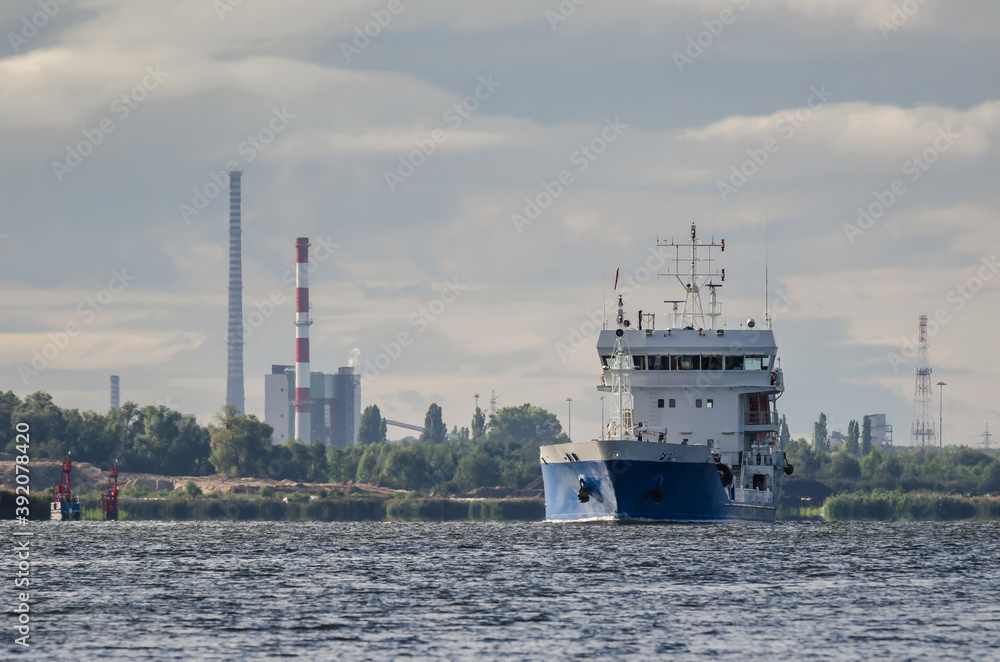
(716, 388)
(693, 383)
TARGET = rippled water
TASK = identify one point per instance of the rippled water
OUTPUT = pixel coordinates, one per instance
(346, 591)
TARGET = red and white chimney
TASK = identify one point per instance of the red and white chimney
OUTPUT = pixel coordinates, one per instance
(303, 423)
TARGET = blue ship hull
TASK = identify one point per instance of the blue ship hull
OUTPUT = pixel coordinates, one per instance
(643, 491)
(65, 512)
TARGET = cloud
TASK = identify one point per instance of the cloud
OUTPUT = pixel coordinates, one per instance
(325, 176)
(863, 129)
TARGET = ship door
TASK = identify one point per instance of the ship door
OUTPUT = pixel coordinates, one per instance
(654, 411)
(758, 409)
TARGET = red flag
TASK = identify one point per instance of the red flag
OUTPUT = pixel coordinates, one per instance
(615, 288)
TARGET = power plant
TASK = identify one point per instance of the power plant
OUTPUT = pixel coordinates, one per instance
(305, 405)
(291, 394)
(335, 406)
(234, 375)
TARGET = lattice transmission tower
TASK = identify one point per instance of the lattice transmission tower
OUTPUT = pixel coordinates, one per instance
(922, 432)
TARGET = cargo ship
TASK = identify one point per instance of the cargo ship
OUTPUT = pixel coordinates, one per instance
(694, 432)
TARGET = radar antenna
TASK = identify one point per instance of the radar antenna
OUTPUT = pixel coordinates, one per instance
(695, 280)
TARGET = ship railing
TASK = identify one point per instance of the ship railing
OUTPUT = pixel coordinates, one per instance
(754, 496)
(760, 418)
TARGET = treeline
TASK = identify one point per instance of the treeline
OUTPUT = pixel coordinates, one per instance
(886, 506)
(856, 465)
(151, 439)
(158, 440)
(503, 452)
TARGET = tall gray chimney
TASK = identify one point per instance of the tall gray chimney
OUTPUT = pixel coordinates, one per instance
(234, 376)
(115, 398)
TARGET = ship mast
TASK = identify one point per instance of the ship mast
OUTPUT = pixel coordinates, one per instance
(695, 280)
(621, 366)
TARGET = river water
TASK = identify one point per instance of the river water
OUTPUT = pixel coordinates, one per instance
(473, 591)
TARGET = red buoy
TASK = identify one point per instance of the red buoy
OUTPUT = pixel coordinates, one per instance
(109, 498)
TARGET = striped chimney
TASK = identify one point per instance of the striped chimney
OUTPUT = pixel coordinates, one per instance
(303, 429)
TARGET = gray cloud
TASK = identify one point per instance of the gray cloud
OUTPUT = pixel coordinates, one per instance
(323, 175)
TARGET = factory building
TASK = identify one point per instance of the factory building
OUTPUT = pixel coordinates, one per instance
(881, 431)
(334, 405)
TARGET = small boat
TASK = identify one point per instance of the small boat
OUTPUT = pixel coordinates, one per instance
(65, 504)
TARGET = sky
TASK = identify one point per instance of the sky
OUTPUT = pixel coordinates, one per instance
(471, 175)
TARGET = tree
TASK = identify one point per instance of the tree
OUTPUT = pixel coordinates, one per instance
(290, 461)
(8, 403)
(342, 464)
(806, 459)
(892, 466)
(170, 443)
(477, 469)
(478, 423)
(48, 426)
(820, 437)
(240, 445)
(124, 425)
(434, 427)
(98, 443)
(846, 466)
(990, 482)
(442, 460)
(404, 467)
(372, 427)
(784, 436)
(368, 464)
(317, 467)
(191, 450)
(871, 464)
(851, 445)
(159, 427)
(866, 435)
(525, 424)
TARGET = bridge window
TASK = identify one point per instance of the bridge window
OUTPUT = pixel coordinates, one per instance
(756, 362)
(734, 363)
(711, 362)
(639, 361)
(689, 362)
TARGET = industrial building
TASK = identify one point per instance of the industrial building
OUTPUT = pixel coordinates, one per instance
(881, 431)
(335, 405)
